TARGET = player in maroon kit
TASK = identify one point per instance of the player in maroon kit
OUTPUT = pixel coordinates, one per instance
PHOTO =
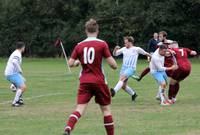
(92, 82)
(182, 72)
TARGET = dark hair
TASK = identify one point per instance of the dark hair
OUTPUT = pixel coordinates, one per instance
(20, 45)
(164, 33)
(162, 47)
(129, 38)
(91, 26)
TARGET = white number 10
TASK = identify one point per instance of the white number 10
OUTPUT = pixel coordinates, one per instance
(88, 55)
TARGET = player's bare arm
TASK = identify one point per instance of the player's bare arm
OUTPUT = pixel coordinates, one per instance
(112, 62)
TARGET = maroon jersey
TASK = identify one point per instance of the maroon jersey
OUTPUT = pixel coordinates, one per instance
(182, 58)
(168, 62)
(90, 53)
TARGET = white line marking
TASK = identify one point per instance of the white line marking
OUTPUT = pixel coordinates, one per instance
(34, 97)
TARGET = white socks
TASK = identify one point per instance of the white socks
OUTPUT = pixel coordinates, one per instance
(130, 91)
(118, 86)
(162, 95)
(159, 91)
(17, 95)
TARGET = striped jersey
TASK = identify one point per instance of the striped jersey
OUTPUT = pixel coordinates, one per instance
(130, 56)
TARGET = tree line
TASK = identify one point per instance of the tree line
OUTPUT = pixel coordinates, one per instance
(39, 22)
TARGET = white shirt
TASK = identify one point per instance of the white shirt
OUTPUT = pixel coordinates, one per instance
(157, 62)
(130, 56)
(14, 63)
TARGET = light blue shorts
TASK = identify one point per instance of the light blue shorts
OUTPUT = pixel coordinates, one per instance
(160, 77)
(128, 72)
(16, 79)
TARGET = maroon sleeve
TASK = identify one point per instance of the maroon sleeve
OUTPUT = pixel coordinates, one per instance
(106, 51)
(188, 50)
(74, 54)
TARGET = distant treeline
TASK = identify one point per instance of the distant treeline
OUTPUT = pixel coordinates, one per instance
(39, 22)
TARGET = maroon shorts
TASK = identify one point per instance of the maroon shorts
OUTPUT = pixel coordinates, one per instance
(180, 74)
(169, 73)
(100, 91)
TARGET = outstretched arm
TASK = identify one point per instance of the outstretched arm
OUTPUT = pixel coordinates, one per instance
(111, 61)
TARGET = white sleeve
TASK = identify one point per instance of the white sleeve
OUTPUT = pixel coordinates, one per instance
(118, 52)
(16, 62)
(158, 64)
(141, 51)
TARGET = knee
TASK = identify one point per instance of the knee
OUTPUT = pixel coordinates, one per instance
(23, 87)
(124, 87)
(163, 85)
(106, 110)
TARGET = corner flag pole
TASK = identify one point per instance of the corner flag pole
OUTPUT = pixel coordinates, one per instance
(63, 49)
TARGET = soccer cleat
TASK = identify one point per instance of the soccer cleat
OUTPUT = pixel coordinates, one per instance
(16, 105)
(158, 98)
(21, 101)
(136, 77)
(66, 133)
(134, 97)
(112, 92)
(67, 130)
(165, 103)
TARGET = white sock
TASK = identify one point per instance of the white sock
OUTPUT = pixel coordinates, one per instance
(130, 91)
(162, 95)
(159, 91)
(118, 86)
(17, 96)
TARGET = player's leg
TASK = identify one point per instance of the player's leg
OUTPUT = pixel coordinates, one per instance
(161, 78)
(103, 98)
(119, 85)
(74, 117)
(18, 80)
(108, 120)
(183, 74)
(172, 88)
(125, 73)
(83, 97)
(144, 73)
(129, 90)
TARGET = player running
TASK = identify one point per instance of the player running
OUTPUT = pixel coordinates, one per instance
(184, 69)
(130, 57)
(158, 70)
(92, 81)
(13, 73)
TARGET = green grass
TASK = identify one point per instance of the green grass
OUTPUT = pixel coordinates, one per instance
(51, 97)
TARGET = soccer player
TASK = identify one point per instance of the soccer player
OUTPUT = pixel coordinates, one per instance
(184, 69)
(92, 82)
(152, 46)
(168, 59)
(13, 73)
(130, 56)
(158, 70)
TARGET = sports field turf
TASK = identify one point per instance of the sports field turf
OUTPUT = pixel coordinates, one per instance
(51, 97)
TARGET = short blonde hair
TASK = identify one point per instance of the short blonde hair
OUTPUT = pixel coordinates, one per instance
(129, 38)
(91, 26)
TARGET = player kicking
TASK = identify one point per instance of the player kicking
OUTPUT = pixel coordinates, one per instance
(92, 82)
(13, 73)
(184, 69)
(130, 56)
(158, 70)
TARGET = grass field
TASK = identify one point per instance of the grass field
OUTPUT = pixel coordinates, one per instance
(51, 97)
